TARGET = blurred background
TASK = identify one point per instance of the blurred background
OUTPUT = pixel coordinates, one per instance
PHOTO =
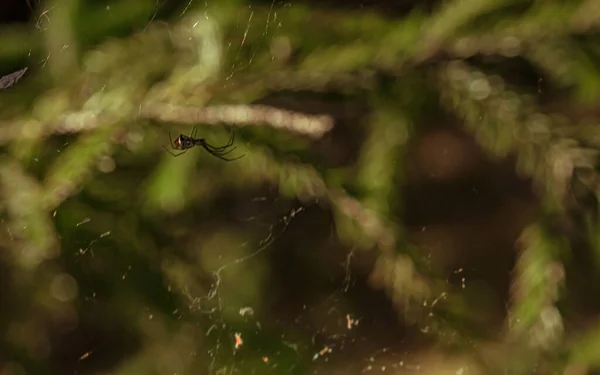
(417, 190)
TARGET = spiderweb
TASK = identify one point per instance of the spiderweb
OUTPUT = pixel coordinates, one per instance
(295, 342)
(336, 324)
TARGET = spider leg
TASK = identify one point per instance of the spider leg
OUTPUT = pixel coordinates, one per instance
(171, 142)
(228, 151)
(213, 148)
(229, 159)
(220, 156)
(173, 147)
(174, 154)
(231, 139)
(222, 148)
(224, 152)
(217, 149)
(194, 131)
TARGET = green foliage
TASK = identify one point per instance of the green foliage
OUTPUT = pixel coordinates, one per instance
(108, 232)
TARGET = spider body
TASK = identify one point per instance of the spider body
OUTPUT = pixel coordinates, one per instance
(184, 142)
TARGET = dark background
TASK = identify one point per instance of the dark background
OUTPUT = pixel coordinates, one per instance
(151, 298)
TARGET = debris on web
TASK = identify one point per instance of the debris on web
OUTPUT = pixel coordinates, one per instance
(12, 78)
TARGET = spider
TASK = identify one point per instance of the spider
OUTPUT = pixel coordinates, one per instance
(184, 143)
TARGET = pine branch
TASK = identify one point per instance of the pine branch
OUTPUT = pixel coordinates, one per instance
(30, 220)
(504, 122)
(240, 115)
